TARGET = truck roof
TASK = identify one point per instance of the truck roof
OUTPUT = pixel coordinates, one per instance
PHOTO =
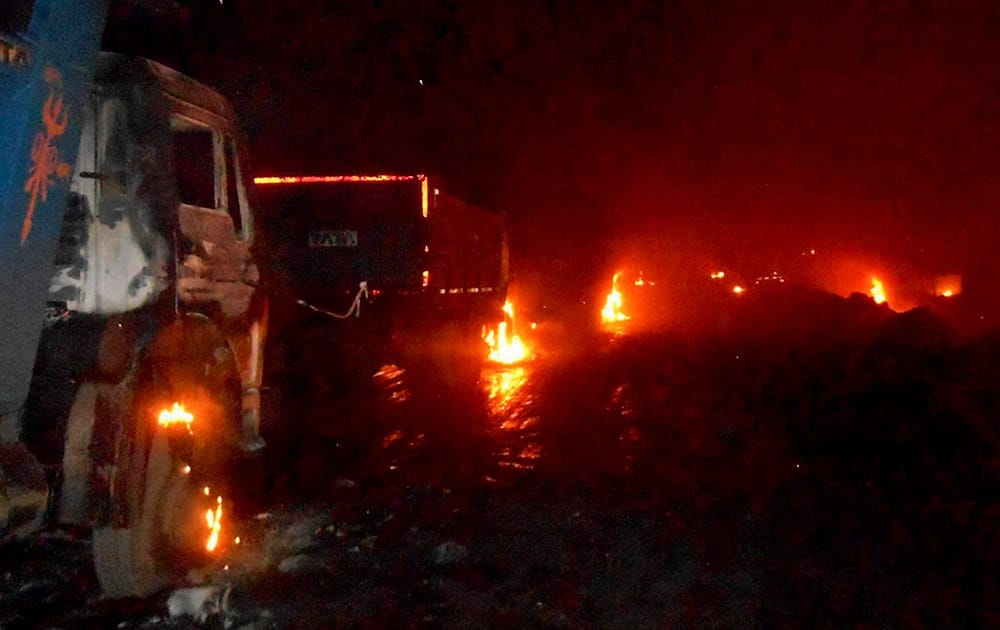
(186, 92)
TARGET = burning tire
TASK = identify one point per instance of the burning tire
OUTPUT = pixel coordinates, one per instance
(166, 507)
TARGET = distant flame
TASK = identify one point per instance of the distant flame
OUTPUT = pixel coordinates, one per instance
(175, 415)
(718, 275)
(877, 291)
(612, 311)
(948, 286)
(505, 345)
(738, 289)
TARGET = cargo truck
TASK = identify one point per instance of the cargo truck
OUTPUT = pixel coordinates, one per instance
(430, 263)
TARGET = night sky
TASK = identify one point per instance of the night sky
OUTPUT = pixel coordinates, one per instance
(678, 134)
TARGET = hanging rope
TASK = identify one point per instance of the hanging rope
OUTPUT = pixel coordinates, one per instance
(355, 305)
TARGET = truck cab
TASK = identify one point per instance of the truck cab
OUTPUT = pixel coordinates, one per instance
(147, 378)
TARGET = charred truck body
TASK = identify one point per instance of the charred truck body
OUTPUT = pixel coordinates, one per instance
(430, 262)
(129, 372)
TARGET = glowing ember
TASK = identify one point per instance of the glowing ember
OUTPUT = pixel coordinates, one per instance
(612, 311)
(176, 415)
(505, 346)
(213, 520)
(877, 291)
(718, 275)
(738, 289)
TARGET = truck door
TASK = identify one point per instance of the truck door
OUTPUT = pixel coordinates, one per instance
(215, 272)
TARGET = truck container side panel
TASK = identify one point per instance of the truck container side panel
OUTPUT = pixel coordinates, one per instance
(467, 243)
(41, 93)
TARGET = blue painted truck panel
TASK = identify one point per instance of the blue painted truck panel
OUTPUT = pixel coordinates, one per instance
(48, 50)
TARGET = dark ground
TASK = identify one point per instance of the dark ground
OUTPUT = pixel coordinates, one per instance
(804, 461)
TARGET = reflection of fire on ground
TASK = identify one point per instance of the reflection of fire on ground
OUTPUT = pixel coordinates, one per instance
(390, 378)
(503, 390)
(511, 403)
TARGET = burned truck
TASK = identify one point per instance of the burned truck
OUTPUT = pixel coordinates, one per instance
(145, 387)
(413, 266)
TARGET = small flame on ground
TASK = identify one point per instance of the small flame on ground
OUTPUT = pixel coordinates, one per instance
(612, 311)
(947, 293)
(877, 291)
(738, 289)
(505, 346)
(718, 275)
(213, 519)
(175, 415)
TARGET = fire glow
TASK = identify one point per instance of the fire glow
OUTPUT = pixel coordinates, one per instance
(176, 415)
(877, 291)
(505, 346)
(612, 311)
(948, 286)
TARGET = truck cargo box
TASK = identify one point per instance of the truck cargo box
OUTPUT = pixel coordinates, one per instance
(407, 239)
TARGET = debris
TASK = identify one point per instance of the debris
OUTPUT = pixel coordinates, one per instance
(200, 602)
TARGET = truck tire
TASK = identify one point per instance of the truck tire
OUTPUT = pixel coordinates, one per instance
(160, 533)
(125, 558)
(166, 540)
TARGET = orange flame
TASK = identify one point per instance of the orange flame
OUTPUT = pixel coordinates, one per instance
(505, 346)
(877, 291)
(175, 415)
(213, 520)
(738, 289)
(612, 311)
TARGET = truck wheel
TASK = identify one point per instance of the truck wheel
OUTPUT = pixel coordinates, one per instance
(168, 538)
(165, 485)
(126, 558)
